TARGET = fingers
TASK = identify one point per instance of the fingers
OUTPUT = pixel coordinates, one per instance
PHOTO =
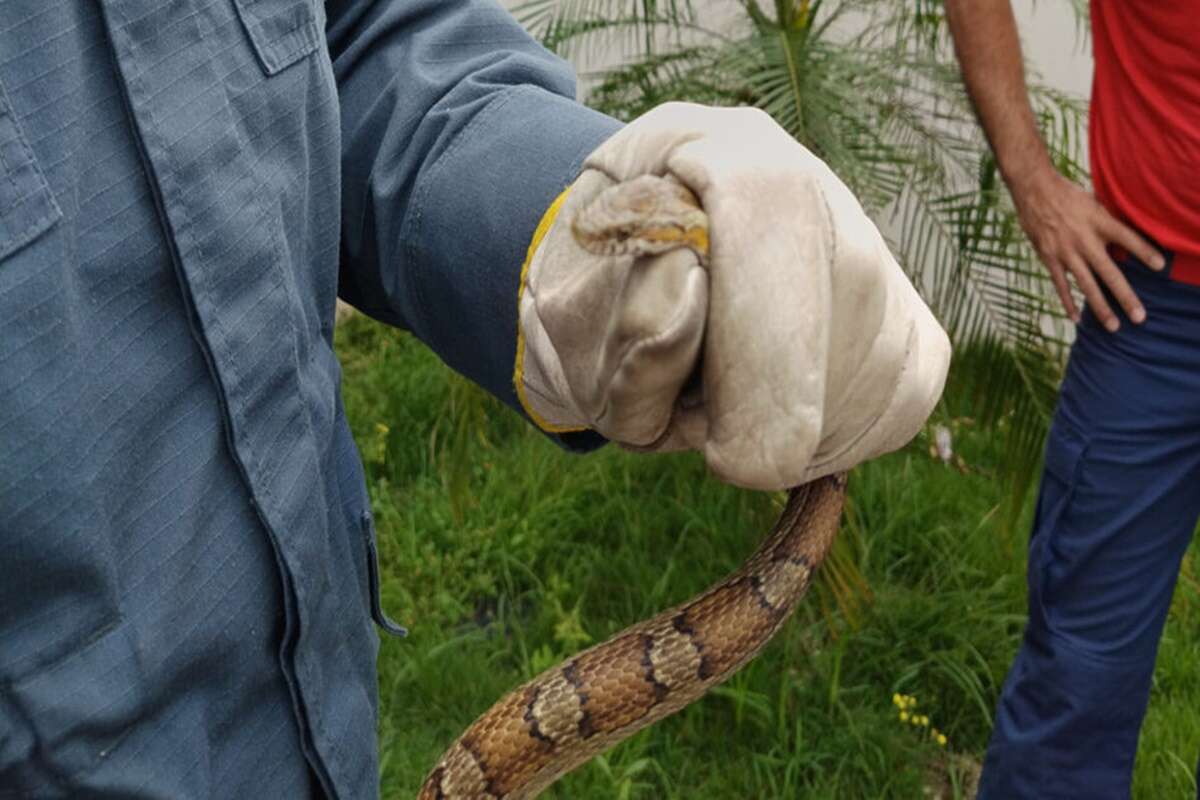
(1114, 279)
(1071, 232)
(1099, 265)
(1117, 233)
(1082, 273)
(1059, 278)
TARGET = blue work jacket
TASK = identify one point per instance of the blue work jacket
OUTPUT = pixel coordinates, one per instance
(186, 550)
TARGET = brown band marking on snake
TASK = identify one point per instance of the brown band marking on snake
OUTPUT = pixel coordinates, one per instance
(531, 719)
(571, 672)
(661, 690)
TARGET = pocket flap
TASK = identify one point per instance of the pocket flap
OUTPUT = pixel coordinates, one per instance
(282, 31)
(27, 208)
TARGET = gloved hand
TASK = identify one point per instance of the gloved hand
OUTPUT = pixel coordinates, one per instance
(799, 350)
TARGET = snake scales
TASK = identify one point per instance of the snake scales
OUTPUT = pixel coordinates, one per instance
(574, 711)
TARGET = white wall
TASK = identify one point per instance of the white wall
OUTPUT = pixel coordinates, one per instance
(1054, 44)
(1056, 47)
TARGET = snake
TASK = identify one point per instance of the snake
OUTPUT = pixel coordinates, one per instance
(597, 698)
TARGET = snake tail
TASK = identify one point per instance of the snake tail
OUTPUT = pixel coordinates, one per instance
(592, 701)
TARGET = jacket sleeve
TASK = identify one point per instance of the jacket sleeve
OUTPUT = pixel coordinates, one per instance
(458, 131)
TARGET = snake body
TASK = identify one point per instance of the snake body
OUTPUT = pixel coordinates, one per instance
(573, 711)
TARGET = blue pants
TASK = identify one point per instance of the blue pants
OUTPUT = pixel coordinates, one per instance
(1118, 504)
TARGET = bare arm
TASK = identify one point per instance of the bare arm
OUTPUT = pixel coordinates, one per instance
(1067, 226)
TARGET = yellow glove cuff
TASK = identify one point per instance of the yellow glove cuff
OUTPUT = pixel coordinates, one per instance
(539, 234)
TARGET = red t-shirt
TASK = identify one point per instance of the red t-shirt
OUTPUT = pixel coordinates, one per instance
(1144, 131)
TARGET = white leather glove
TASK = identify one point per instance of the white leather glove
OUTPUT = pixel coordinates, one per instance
(799, 350)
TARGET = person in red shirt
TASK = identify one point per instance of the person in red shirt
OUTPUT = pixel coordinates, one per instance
(1118, 501)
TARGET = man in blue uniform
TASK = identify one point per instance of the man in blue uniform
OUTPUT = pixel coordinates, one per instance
(186, 551)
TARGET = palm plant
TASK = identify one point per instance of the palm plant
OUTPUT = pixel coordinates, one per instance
(872, 87)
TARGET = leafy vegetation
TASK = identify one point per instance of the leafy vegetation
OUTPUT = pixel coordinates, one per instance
(547, 552)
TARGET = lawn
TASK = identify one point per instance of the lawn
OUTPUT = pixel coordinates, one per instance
(503, 555)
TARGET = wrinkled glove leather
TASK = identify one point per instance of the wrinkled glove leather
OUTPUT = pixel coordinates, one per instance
(799, 350)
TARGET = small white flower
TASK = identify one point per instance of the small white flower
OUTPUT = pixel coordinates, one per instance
(944, 442)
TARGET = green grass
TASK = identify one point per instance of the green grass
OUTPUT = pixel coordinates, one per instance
(504, 555)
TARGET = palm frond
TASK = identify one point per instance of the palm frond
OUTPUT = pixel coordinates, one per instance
(585, 28)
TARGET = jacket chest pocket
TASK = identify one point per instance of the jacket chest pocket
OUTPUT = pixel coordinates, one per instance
(27, 208)
(282, 31)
